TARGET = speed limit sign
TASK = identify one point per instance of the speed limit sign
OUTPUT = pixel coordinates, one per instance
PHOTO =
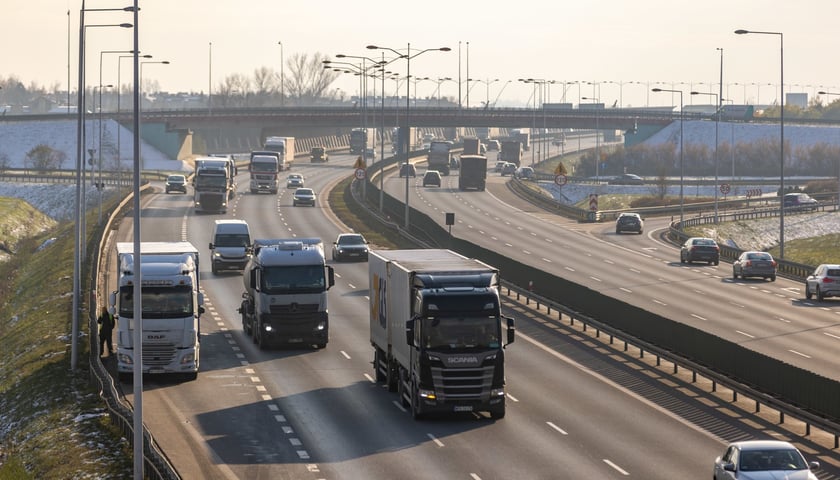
(560, 180)
(360, 173)
(724, 188)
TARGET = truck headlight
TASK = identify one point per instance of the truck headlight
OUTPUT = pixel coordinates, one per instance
(427, 394)
(321, 326)
(497, 392)
(189, 358)
(267, 327)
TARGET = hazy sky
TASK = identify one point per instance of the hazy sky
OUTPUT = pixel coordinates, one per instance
(618, 41)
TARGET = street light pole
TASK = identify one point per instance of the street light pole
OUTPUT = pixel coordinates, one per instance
(838, 159)
(781, 134)
(282, 78)
(407, 56)
(99, 146)
(682, 154)
(717, 127)
(595, 103)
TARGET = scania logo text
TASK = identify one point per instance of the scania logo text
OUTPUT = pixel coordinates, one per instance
(463, 360)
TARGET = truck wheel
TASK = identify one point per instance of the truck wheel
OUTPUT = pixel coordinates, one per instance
(191, 376)
(321, 346)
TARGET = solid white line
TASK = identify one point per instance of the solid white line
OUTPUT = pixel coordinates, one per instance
(799, 353)
(744, 334)
(345, 355)
(563, 432)
(437, 442)
(616, 467)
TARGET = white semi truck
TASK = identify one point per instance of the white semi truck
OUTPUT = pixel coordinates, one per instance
(285, 146)
(436, 330)
(171, 308)
(285, 298)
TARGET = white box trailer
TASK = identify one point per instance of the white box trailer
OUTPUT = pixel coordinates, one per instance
(435, 326)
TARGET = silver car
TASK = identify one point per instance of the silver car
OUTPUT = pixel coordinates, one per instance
(824, 282)
(754, 264)
(304, 196)
(763, 460)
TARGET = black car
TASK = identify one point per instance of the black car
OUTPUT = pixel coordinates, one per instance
(700, 249)
(350, 246)
(627, 179)
(629, 222)
(432, 177)
(408, 170)
(176, 183)
(800, 201)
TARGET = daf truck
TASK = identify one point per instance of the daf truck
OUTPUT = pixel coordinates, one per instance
(171, 308)
(473, 172)
(212, 184)
(285, 298)
(285, 146)
(437, 331)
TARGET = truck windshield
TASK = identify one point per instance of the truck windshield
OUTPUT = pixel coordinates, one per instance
(263, 166)
(293, 279)
(210, 181)
(232, 240)
(448, 333)
(158, 302)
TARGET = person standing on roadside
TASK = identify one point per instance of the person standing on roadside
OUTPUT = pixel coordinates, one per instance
(106, 329)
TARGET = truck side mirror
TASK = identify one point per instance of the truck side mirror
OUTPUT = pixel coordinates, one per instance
(112, 299)
(252, 279)
(511, 330)
(409, 332)
(211, 246)
(330, 277)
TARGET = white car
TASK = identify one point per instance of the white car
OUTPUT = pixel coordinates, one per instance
(763, 460)
(304, 196)
(824, 282)
(295, 180)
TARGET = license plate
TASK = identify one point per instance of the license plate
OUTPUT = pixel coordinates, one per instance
(463, 408)
(155, 370)
(295, 340)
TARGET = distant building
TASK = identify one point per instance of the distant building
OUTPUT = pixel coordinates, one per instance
(797, 99)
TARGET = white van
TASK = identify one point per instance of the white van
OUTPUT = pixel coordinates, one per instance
(231, 239)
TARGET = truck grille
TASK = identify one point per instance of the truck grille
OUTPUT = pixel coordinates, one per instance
(293, 310)
(463, 383)
(158, 354)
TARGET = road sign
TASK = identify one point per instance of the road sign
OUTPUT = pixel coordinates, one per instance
(360, 163)
(593, 201)
(560, 180)
(561, 169)
(724, 188)
(360, 173)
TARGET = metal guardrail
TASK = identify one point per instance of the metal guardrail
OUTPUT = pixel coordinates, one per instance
(717, 378)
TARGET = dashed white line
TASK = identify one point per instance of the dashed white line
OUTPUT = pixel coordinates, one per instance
(351, 285)
(698, 317)
(345, 355)
(799, 353)
(569, 269)
(475, 476)
(434, 439)
(370, 379)
(552, 425)
(596, 279)
(399, 406)
(831, 335)
(659, 302)
(744, 334)
(616, 467)
(546, 260)
(627, 290)
(514, 399)
(609, 261)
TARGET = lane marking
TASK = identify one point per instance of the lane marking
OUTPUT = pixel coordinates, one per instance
(744, 334)
(345, 355)
(799, 353)
(698, 317)
(552, 425)
(437, 442)
(616, 467)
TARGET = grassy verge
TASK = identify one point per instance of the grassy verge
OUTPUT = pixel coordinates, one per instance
(52, 422)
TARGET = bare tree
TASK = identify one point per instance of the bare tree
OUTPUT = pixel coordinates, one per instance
(307, 79)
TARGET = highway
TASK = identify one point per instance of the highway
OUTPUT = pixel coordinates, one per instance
(770, 317)
(573, 411)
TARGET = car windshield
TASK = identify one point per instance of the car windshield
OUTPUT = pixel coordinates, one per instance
(351, 240)
(767, 460)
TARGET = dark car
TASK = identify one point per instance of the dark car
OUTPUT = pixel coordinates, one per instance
(629, 222)
(508, 168)
(800, 201)
(432, 177)
(304, 196)
(350, 246)
(754, 264)
(524, 173)
(318, 154)
(627, 179)
(700, 249)
(408, 170)
(176, 183)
